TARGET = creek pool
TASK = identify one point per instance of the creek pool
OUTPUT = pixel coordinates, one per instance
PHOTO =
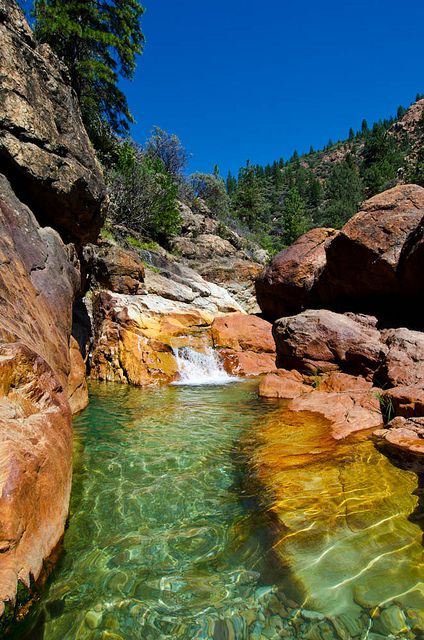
(166, 539)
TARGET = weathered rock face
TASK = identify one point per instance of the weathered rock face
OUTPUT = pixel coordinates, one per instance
(134, 337)
(37, 286)
(318, 341)
(114, 268)
(371, 265)
(219, 254)
(77, 383)
(287, 286)
(362, 260)
(44, 149)
(404, 434)
(404, 361)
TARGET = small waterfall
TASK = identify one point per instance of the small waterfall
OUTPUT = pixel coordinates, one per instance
(197, 368)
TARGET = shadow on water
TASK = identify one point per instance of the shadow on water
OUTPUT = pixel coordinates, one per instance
(415, 464)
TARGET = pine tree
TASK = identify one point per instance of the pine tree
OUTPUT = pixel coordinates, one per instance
(364, 127)
(351, 134)
(98, 41)
(295, 220)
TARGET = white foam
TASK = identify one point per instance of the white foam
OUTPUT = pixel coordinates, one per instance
(197, 368)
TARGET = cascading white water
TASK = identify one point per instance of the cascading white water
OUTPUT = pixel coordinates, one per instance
(197, 368)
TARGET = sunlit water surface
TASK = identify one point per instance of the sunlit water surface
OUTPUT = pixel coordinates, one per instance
(165, 538)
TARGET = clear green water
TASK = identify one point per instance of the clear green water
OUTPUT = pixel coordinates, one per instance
(165, 538)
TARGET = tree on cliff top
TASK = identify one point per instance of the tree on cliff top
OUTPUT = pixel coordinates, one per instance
(98, 41)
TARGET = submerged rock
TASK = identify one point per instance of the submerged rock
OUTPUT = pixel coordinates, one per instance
(343, 529)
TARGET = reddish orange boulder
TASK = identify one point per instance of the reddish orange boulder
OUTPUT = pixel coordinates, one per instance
(318, 341)
(283, 384)
(245, 344)
(362, 260)
(241, 332)
(404, 434)
(287, 286)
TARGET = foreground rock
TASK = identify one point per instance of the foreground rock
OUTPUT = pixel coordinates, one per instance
(287, 286)
(37, 285)
(404, 434)
(318, 341)
(44, 149)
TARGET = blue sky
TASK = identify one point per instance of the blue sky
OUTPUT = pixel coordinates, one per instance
(238, 80)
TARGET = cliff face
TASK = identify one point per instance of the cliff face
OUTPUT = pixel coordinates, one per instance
(48, 175)
(44, 148)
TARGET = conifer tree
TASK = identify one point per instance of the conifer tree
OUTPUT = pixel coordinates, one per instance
(295, 220)
(98, 40)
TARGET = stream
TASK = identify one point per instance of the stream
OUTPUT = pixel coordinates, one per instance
(166, 538)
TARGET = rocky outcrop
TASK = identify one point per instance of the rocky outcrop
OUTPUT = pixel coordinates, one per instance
(362, 261)
(111, 267)
(219, 254)
(370, 266)
(287, 286)
(37, 286)
(318, 341)
(135, 338)
(44, 149)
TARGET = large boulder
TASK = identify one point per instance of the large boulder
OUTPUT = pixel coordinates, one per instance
(411, 263)
(113, 267)
(44, 149)
(38, 281)
(287, 286)
(319, 341)
(363, 259)
(245, 344)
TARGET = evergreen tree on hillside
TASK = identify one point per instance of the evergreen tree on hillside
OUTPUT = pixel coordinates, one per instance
(382, 157)
(250, 200)
(98, 41)
(344, 192)
(295, 220)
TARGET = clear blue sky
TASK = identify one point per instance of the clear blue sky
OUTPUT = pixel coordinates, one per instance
(238, 80)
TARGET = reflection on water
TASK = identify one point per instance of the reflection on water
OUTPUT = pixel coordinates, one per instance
(163, 542)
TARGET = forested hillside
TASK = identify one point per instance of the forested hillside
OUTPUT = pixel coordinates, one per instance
(271, 205)
(283, 199)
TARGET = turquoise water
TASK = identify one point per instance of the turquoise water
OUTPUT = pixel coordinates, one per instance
(166, 539)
